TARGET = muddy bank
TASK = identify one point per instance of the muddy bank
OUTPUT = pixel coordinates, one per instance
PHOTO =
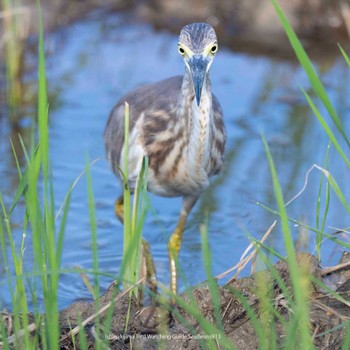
(146, 331)
(150, 327)
(241, 24)
(253, 26)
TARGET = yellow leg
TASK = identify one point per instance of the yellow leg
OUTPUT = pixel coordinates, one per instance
(119, 208)
(174, 244)
(146, 252)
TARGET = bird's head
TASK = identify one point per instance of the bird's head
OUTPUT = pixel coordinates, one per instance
(198, 46)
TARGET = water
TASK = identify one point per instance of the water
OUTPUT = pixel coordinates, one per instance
(90, 64)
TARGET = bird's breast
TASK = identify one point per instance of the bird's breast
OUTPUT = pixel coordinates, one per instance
(179, 144)
(180, 154)
(200, 134)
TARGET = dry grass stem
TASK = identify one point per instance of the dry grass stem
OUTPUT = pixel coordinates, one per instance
(246, 258)
(10, 340)
(330, 310)
(331, 269)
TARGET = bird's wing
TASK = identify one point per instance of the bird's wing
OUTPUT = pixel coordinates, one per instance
(151, 99)
(219, 138)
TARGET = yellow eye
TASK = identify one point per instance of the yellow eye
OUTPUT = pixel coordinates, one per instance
(181, 51)
(214, 48)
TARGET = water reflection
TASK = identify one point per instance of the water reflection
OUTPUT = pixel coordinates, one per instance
(95, 61)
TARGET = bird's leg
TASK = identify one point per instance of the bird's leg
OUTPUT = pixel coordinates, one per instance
(146, 252)
(119, 208)
(150, 268)
(176, 238)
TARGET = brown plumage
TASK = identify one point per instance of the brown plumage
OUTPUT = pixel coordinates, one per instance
(177, 123)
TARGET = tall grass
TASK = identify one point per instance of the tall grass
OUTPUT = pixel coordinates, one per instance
(301, 282)
(298, 275)
(335, 132)
(36, 191)
(317, 85)
(46, 232)
(134, 216)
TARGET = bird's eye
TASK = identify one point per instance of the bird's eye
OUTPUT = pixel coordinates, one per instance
(181, 51)
(214, 48)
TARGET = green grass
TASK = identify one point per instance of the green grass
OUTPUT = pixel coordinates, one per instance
(46, 230)
(46, 243)
(321, 221)
(346, 57)
(134, 215)
(299, 279)
(43, 226)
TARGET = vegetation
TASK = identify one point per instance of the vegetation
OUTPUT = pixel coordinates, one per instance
(40, 224)
(15, 22)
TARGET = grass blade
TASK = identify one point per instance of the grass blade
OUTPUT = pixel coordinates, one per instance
(346, 343)
(298, 277)
(327, 129)
(309, 70)
(346, 57)
(212, 284)
(93, 225)
(207, 327)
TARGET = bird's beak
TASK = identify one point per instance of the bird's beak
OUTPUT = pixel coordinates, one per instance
(198, 67)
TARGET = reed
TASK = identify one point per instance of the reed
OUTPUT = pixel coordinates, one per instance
(16, 28)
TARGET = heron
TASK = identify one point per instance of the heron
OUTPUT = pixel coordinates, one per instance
(178, 124)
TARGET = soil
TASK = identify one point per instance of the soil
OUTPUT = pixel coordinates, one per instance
(157, 326)
(150, 325)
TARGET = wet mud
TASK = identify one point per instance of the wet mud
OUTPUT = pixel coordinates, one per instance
(149, 326)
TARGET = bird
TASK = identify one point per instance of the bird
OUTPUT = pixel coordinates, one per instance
(178, 124)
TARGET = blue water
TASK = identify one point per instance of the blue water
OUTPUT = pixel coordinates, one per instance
(90, 64)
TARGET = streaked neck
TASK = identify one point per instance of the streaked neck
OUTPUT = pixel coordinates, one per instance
(197, 120)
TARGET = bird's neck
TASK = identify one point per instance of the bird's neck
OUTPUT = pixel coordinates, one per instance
(197, 120)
